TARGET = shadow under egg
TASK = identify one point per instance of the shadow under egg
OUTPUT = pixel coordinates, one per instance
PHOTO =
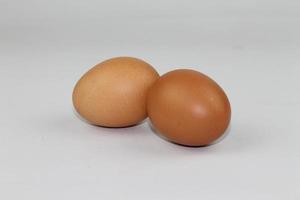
(101, 126)
(222, 137)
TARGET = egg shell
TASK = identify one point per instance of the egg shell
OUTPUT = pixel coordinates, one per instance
(113, 93)
(188, 108)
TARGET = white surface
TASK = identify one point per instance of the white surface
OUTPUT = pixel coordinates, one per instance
(252, 48)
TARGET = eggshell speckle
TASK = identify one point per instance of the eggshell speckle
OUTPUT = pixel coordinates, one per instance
(113, 93)
(188, 108)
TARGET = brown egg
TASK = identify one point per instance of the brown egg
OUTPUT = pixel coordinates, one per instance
(188, 108)
(113, 93)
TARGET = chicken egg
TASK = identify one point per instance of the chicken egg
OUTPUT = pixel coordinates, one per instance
(188, 108)
(113, 93)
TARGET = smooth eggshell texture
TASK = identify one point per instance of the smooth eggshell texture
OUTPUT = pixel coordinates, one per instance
(188, 108)
(113, 93)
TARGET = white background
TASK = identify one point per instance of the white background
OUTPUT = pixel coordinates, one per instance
(251, 48)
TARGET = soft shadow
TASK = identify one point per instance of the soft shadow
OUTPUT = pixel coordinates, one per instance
(139, 137)
(188, 146)
(106, 127)
(222, 137)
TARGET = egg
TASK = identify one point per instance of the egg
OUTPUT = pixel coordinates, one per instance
(188, 108)
(113, 93)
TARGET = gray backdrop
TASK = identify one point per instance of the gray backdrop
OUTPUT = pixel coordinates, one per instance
(251, 48)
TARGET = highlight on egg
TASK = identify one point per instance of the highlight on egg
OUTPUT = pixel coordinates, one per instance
(113, 93)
